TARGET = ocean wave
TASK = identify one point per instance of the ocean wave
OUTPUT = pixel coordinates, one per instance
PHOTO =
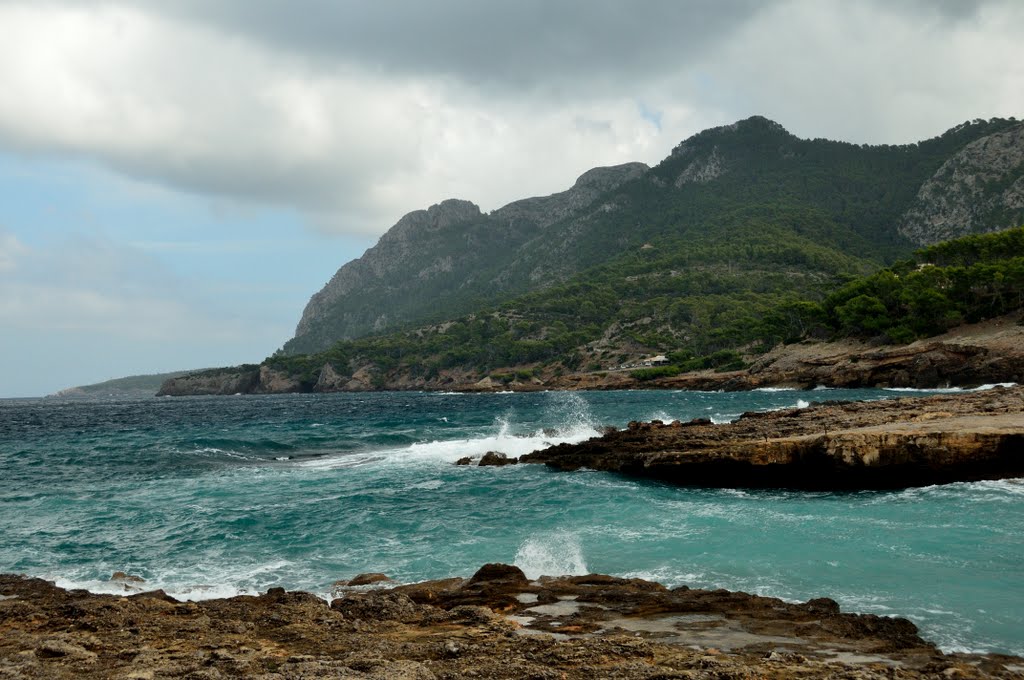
(188, 585)
(950, 390)
(445, 451)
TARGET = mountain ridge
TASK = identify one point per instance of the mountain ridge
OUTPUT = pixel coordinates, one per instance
(452, 259)
(421, 243)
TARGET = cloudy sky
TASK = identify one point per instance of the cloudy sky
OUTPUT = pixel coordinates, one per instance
(177, 178)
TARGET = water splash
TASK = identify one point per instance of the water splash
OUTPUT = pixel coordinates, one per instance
(570, 413)
(552, 554)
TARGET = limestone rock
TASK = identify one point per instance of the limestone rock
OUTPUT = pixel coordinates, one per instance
(447, 246)
(497, 624)
(330, 380)
(703, 170)
(272, 381)
(979, 189)
(832, 446)
(241, 380)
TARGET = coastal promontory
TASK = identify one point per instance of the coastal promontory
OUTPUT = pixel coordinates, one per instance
(883, 444)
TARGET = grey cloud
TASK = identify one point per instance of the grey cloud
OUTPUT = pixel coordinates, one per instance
(523, 44)
(354, 113)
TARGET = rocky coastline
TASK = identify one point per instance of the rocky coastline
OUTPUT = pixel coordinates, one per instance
(985, 353)
(886, 444)
(496, 624)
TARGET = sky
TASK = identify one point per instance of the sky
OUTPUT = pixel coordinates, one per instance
(178, 178)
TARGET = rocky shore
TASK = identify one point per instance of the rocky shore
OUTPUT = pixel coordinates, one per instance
(497, 624)
(978, 354)
(829, 446)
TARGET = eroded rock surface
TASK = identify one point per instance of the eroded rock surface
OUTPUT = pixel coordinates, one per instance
(834, 445)
(497, 624)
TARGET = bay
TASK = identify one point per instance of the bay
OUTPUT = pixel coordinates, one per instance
(214, 496)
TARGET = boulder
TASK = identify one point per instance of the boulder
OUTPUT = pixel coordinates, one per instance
(496, 571)
(496, 458)
(368, 579)
(127, 578)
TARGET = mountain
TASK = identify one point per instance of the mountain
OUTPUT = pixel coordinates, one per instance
(594, 331)
(868, 204)
(745, 237)
(435, 262)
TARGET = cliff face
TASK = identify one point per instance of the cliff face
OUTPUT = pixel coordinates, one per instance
(241, 380)
(439, 262)
(979, 189)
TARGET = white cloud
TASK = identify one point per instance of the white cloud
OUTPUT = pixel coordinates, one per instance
(11, 250)
(856, 72)
(175, 102)
(354, 114)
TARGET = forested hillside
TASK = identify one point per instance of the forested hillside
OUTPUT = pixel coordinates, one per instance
(744, 238)
(721, 186)
(700, 320)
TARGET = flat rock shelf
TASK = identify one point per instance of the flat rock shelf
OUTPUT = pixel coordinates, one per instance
(887, 444)
(497, 624)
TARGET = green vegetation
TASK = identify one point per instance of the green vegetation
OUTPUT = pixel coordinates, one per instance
(744, 238)
(702, 303)
(965, 280)
(140, 385)
(775, 214)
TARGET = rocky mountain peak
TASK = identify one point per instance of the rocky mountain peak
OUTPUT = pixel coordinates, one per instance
(981, 188)
(708, 139)
(546, 210)
(609, 177)
(438, 216)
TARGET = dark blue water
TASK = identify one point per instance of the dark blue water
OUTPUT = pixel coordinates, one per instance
(212, 496)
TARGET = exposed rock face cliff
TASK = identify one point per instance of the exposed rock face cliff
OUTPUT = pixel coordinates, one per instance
(244, 380)
(240, 380)
(439, 261)
(979, 189)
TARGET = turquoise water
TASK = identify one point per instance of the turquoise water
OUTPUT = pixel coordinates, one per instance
(207, 497)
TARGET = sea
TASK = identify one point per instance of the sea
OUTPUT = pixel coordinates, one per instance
(215, 496)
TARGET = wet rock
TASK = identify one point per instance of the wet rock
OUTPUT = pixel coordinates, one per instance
(368, 579)
(823, 605)
(496, 458)
(465, 460)
(497, 624)
(502, 573)
(127, 578)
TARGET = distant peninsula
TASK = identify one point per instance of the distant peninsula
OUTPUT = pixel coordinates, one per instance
(131, 386)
